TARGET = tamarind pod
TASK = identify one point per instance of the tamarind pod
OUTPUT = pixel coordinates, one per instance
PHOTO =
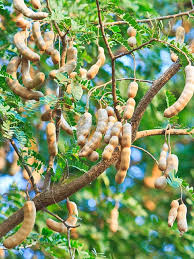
(56, 226)
(132, 41)
(126, 137)
(110, 111)
(116, 129)
(101, 57)
(2, 253)
(163, 157)
(111, 122)
(172, 164)
(114, 141)
(185, 96)
(28, 82)
(15, 85)
(113, 223)
(173, 56)
(102, 121)
(19, 41)
(173, 213)
(73, 75)
(191, 46)
(131, 31)
(120, 176)
(36, 4)
(180, 34)
(160, 182)
(149, 181)
(71, 55)
(47, 115)
(84, 125)
(25, 229)
(50, 50)
(125, 158)
(20, 6)
(93, 71)
(94, 156)
(182, 219)
(66, 68)
(21, 22)
(83, 73)
(38, 37)
(51, 139)
(91, 145)
(72, 208)
(132, 89)
(129, 109)
(65, 126)
(107, 153)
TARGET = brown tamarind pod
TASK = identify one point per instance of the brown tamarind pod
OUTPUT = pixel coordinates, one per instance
(182, 219)
(163, 157)
(36, 4)
(93, 71)
(172, 164)
(56, 226)
(125, 158)
(21, 7)
(15, 85)
(185, 96)
(19, 40)
(27, 80)
(173, 212)
(91, 145)
(51, 139)
(116, 129)
(83, 73)
(126, 136)
(180, 34)
(120, 176)
(38, 37)
(83, 128)
(160, 182)
(50, 50)
(21, 22)
(132, 41)
(25, 229)
(131, 31)
(132, 89)
(113, 222)
(102, 121)
(173, 56)
(129, 109)
(111, 121)
(110, 111)
(70, 65)
(65, 126)
(94, 156)
(47, 115)
(109, 149)
(2, 253)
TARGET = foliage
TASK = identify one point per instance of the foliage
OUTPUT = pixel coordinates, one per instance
(143, 231)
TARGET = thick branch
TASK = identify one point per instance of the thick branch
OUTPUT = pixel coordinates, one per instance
(157, 85)
(154, 132)
(59, 193)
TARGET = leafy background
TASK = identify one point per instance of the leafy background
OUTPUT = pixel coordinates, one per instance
(143, 230)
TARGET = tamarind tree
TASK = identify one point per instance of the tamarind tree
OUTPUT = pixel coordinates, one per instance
(96, 128)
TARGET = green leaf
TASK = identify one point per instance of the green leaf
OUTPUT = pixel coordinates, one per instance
(77, 91)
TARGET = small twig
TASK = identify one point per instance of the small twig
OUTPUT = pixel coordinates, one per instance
(131, 51)
(160, 18)
(181, 198)
(115, 102)
(144, 150)
(69, 243)
(102, 30)
(47, 179)
(31, 178)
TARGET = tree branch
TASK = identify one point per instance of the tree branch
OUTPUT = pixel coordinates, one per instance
(157, 85)
(59, 193)
(154, 132)
(31, 178)
(160, 18)
(131, 51)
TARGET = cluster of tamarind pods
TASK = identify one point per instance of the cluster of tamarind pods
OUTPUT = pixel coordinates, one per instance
(116, 134)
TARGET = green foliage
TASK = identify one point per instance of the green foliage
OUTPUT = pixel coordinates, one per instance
(170, 99)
